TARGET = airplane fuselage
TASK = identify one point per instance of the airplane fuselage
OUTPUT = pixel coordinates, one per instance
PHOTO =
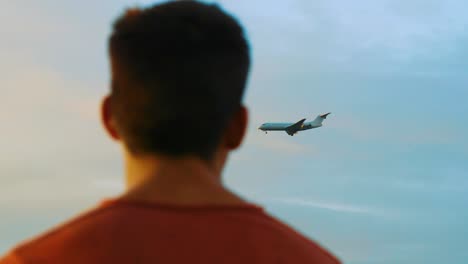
(293, 128)
(284, 126)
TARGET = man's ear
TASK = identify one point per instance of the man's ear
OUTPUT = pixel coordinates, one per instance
(236, 129)
(107, 119)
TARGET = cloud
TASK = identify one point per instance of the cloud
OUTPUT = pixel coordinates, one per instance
(447, 180)
(356, 36)
(51, 139)
(39, 108)
(331, 206)
(277, 143)
(108, 185)
(395, 129)
(20, 20)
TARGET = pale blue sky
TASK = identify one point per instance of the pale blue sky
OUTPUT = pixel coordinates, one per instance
(384, 181)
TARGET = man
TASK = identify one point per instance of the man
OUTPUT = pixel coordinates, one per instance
(179, 70)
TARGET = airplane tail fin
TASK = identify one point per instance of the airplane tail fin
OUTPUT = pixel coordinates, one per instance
(318, 121)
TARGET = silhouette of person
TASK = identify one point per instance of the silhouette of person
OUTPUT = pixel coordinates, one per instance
(179, 72)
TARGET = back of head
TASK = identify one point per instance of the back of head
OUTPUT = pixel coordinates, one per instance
(179, 70)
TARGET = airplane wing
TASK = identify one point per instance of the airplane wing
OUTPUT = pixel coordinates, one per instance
(292, 129)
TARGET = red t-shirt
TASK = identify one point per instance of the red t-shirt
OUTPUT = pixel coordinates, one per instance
(136, 232)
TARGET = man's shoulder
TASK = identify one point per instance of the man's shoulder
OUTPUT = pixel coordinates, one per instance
(28, 250)
(250, 226)
(298, 242)
(11, 258)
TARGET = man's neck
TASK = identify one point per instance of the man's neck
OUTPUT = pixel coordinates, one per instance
(181, 181)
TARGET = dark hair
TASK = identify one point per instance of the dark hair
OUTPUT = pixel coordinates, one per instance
(179, 70)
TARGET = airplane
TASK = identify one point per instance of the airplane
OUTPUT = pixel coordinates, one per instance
(293, 128)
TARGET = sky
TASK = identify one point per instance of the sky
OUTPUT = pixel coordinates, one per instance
(385, 180)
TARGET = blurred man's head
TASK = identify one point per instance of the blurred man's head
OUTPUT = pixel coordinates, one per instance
(179, 71)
